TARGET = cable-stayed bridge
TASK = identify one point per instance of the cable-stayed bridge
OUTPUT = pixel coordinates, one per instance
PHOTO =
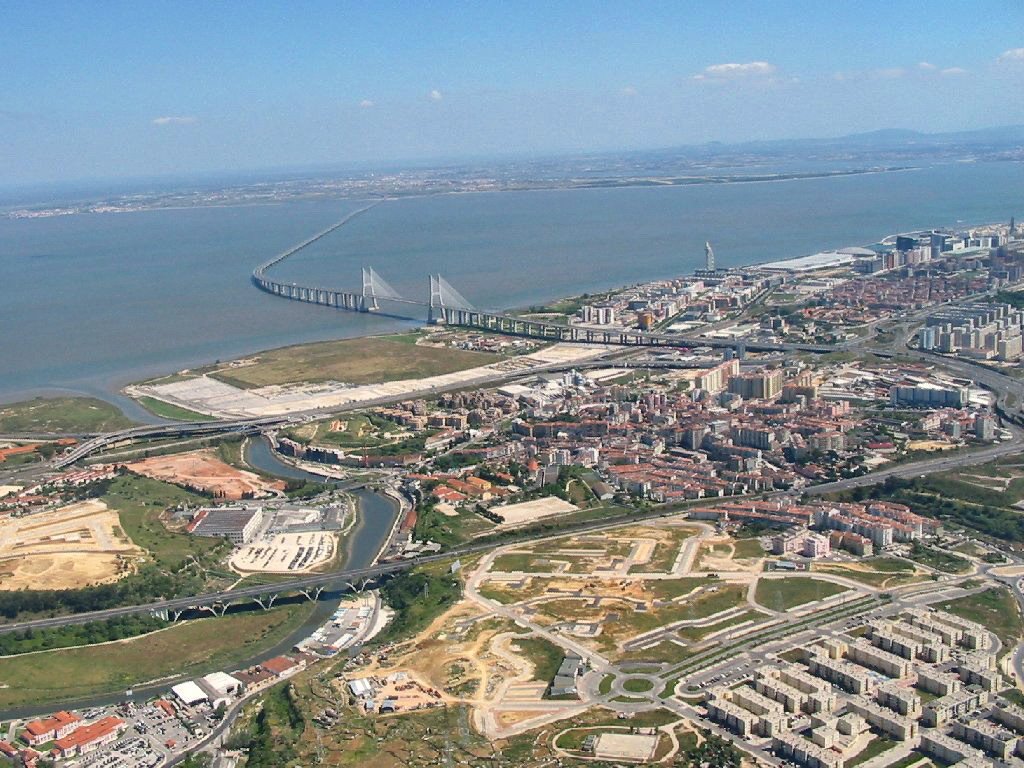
(446, 306)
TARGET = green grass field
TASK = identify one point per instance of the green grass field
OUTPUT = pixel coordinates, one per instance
(195, 647)
(995, 609)
(939, 559)
(637, 685)
(748, 548)
(874, 748)
(139, 502)
(356, 361)
(783, 594)
(544, 655)
(169, 411)
(879, 579)
(61, 414)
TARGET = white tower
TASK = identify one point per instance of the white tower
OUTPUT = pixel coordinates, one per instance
(709, 258)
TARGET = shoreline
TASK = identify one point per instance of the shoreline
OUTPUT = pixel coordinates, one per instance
(111, 389)
(657, 182)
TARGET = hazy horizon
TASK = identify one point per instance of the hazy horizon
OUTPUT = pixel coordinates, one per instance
(123, 91)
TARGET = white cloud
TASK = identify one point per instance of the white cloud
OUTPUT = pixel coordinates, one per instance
(953, 71)
(365, 103)
(733, 70)
(1012, 55)
(926, 66)
(436, 95)
(175, 120)
(629, 90)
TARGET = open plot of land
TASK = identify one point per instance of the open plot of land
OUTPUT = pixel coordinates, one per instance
(637, 549)
(791, 592)
(170, 411)
(634, 747)
(286, 553)
(141, 503)
(194, 647)
(61, 414)
(728, 554)
(867, 573)
(528, 511)
(205, 471)
(370, 360)
(312, 386)
(995, 609)
(66, 548)
(611, 613)
(939, 559)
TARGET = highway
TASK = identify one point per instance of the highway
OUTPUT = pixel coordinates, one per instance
(178, 429)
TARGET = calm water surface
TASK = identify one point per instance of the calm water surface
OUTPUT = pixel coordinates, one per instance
(96, 301)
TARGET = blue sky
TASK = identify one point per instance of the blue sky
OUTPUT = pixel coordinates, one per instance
(109, 90)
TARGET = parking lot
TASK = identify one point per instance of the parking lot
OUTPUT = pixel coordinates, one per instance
(151, 738)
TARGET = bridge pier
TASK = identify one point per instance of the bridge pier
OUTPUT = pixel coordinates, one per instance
(218, 609)
(312, 594)
(264, 601)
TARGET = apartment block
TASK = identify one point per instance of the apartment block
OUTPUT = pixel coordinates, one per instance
(944, 709)
(899, 699)
(938, 682)
(864, 653)
(996, 741)
(895, 725)
(947, 749)
(805, 753)
(847, 676)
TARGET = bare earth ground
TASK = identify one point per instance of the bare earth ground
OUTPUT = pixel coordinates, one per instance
(66, 548)
(528, 511)
(202, 469)
(210, 395)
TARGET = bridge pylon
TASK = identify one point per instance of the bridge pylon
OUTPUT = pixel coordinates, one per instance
(435, 310)
(368, 302)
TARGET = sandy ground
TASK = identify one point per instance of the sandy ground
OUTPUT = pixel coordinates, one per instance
(7, 490)
(208, 395)
(66, 548)
(528, 511)
(202, 469)
(929, 445)
(279, 553)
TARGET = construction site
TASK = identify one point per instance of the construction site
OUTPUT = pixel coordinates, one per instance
(66, 548)
(203, 471)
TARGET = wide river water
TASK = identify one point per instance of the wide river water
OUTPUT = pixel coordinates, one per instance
(92, 302)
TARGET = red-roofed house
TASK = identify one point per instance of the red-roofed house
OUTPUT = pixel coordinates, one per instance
(53, 727)
(281, 666)
(90, 737)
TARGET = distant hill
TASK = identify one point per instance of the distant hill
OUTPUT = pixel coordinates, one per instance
(898, 137)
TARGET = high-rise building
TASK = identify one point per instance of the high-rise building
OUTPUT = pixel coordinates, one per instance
(709, 258)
